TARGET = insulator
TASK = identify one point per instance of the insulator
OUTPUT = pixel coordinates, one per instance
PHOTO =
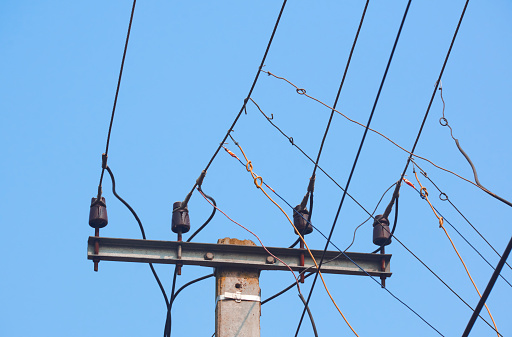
(180, 219)
(98, 213)
(381, 232)
(301, 220)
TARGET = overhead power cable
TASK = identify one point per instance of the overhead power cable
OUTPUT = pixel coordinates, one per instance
(424, 195)
(444, 197)
(488, 289)
(312, 179)
(115, 98)
(432, 97)
(355, 161)
(290, 139)
(184, 204)
(347, 257)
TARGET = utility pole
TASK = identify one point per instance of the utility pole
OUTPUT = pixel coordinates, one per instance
(237, 266)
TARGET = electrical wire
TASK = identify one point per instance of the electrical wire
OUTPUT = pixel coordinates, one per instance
(433, 96)
(444, 122)
(364, 271)
(424, 194)
(258, 238)
(356, 159)
(444, 197)
(302, 91)
(365, 221)
(207, 221)
(141, 230)
(258, 182)
(245, 101)
(308, 157)
(488, 289)
(115, 98)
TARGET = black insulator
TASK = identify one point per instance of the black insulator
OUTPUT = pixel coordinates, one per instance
(381, 232)
(98, 213)
(180, 218)
(301, 220)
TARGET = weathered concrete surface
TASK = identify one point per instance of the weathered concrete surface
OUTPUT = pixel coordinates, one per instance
(232, 318)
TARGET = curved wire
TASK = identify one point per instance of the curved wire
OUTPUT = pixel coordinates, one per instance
(207, 221)
(141, 230)
(444, 122)
(355, 230)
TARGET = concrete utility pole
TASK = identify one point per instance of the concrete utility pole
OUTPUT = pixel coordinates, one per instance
(238, 301)
(238, 264)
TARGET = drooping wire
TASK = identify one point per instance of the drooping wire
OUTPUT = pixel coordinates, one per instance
(424, 195)
(365, 221)
(168, 321)
(356, 160)
(141, 230)
(302, 91)
(245, 101)
(117, 94)
(444, 197)
(444, 122)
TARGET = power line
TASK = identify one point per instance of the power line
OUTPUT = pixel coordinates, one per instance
(244, 104)
(444, 197)
(115, 98)
(433, 95)
(356, 159)
(343, 253)
(488, 289)
(290, 139)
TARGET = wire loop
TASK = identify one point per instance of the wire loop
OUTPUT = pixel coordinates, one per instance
(301, 91)
(423, 192)
(248, 166)
(443, 196)
(443, 121)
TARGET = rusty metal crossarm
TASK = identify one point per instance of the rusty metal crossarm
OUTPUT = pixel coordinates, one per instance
(222, 255)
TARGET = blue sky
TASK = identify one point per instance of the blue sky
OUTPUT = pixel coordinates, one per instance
(189, 66)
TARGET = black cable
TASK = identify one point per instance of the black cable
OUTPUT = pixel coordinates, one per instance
(310, 315)
(309, 158)
(433, 94)
(245, 100)
(117, 94)
(141, 230)
(207, 221)
(168, 318)
(488, 289)
(336, 100)
(356, 159)
(444, 197)
(374, 210)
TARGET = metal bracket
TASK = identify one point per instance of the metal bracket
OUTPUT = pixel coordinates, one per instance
(238, 297)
